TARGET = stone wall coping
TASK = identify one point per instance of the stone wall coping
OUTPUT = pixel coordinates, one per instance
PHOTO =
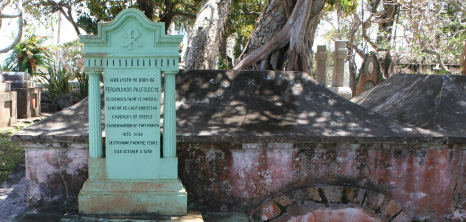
(236, 107)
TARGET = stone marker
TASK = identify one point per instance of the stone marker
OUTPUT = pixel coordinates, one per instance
(7, 104)
(369, 75)
(339, 57)
(28, 95)
(321, 64)
(135, 176)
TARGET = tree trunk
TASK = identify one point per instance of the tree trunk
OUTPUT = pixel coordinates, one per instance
(147, 6)
(206, 35)
(385, 35)
(283, 37)
(463, 60)
(19, 7)
(223, 53)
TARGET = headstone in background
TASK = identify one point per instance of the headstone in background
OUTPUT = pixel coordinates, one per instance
(28, 95)
(321, 64)
(7, 104)
(339, 57)
(369, 75)
(138, 175)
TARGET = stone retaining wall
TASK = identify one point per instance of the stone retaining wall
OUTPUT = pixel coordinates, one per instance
(425, 180)
(249, 140)
(416, 180)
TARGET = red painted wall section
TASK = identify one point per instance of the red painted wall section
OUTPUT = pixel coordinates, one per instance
(54, 176)
(427, 180)
(271, 169)
(423, 180)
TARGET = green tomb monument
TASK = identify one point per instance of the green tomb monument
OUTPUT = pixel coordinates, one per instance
(135, 176)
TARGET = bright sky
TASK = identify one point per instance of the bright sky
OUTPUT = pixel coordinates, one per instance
(10, 28)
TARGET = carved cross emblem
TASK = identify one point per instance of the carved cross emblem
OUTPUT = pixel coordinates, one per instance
(132, 36)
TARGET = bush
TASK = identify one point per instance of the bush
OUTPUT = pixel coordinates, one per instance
(57, 82)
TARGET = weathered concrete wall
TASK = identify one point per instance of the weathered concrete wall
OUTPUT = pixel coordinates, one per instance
(55, 174)
(7, 109)
(427, 180)
(422, 181)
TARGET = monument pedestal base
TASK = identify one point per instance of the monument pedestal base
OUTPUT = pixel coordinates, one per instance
(100, 195)
(162, 197)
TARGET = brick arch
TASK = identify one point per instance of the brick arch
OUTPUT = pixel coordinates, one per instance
(319, 203)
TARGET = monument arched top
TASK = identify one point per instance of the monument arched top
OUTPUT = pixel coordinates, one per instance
(130, 34)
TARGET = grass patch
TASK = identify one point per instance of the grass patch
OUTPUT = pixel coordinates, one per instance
(10, 153)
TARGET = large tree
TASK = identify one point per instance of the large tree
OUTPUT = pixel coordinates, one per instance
(167, 11)
(44, 8)
(17, 14)
(207, 34)
(283, 36)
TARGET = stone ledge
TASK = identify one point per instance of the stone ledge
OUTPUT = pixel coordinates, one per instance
(124, 197)
(250, 107)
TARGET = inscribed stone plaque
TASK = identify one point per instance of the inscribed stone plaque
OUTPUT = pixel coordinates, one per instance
(132, 122)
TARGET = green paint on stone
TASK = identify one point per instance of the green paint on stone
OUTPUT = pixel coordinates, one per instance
(132, 53)
(132, 122)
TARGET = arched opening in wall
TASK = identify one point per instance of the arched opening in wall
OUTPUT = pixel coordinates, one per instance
(330, 203)
(310, 211)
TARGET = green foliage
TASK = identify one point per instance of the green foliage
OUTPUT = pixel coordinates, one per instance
(71, 56)
(83, 84)
(241, 22)
(101, 11)
(182, 12)
(221, 63)
(28, 55)
(71, 60)
(56, 81)
(346, 6)
(10, 153)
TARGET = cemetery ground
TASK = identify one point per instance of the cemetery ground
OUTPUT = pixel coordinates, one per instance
(11, 153)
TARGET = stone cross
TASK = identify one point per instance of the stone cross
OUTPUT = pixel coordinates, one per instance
(321, 64)
(132, 53)
(339, 57)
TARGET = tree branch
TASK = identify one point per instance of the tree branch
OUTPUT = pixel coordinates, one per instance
(3, 16)
(6, 3)
(20, 29)
(278, 41)
(359, 51)
(70, 19)
(455, 3)
(439, 59)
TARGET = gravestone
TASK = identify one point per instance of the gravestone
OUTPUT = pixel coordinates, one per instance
(138, 175)
(321, 65)
(7, 104)
(339, 57)
(369, 75)
(28, 94)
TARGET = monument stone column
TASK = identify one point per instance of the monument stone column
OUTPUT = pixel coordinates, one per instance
(169, 110)
(95, 120)
(339, 57)
(321, 64)
(132, 177)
